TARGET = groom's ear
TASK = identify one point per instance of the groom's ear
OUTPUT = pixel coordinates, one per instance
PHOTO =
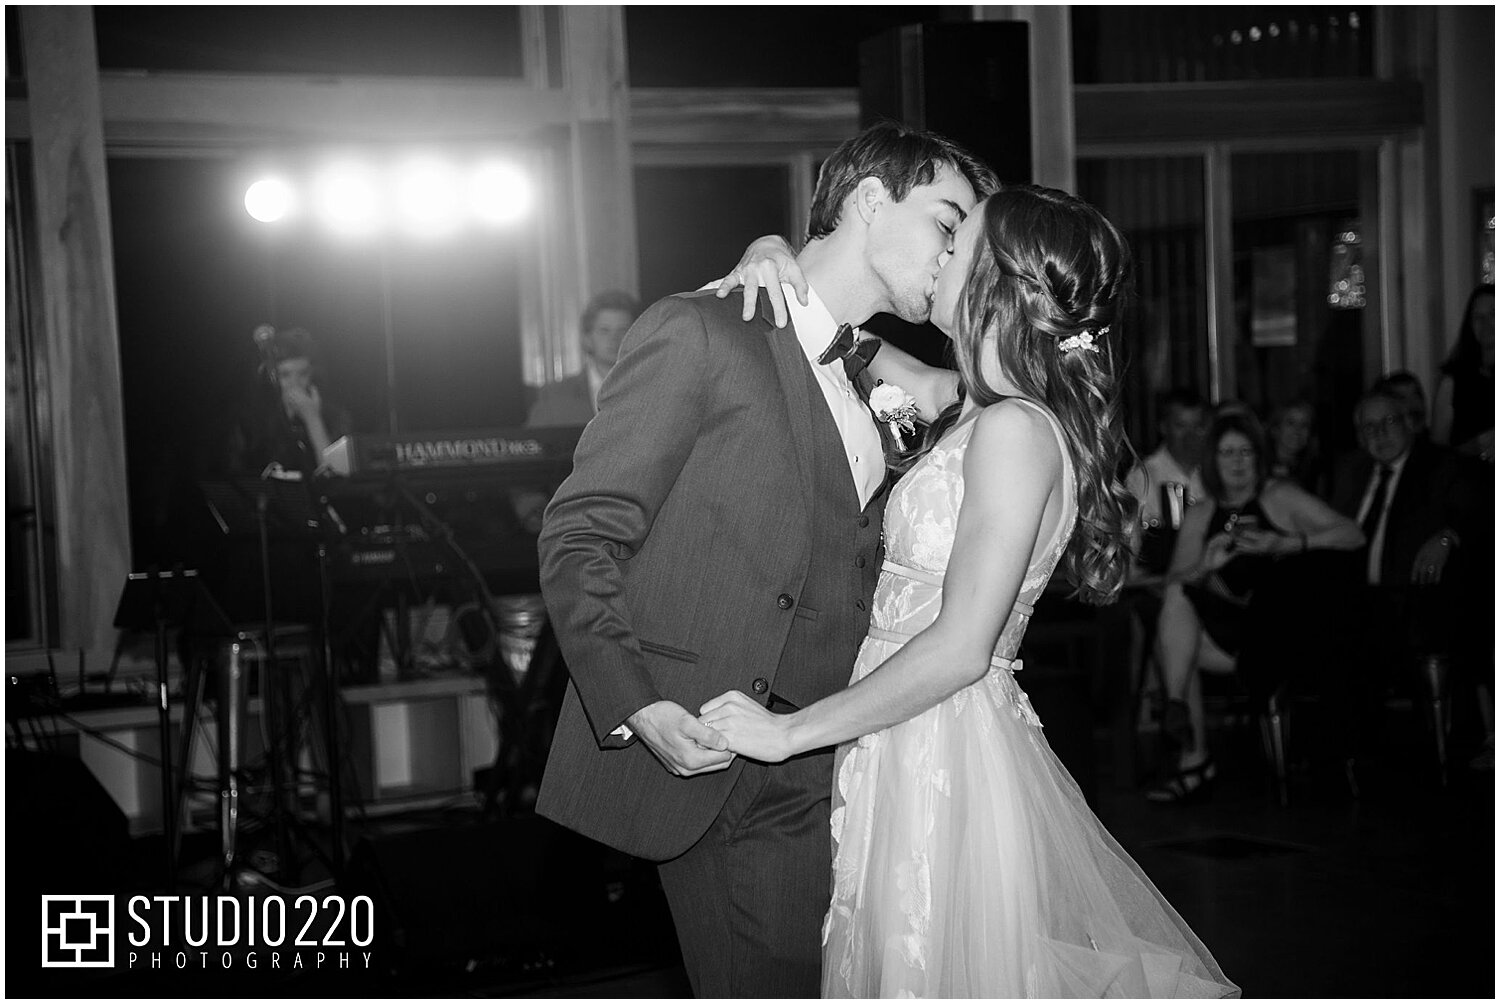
(869, 195)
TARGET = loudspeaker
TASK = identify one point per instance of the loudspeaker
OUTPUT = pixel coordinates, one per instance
(969, 81)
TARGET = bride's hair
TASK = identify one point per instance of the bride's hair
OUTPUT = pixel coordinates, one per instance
(1048, 268)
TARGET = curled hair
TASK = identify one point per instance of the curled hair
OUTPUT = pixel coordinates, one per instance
(900, 158)
(1049, 266)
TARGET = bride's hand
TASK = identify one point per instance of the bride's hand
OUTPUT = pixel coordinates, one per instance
(747, 726)
(766, 264)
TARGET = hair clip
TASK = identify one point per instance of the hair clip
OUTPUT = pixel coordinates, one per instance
(1083, 341)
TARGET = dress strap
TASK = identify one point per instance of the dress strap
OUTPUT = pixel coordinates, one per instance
(933, 579)
(899, 638)
(915, 574)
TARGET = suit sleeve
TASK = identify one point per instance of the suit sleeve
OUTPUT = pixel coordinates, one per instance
(650, 410)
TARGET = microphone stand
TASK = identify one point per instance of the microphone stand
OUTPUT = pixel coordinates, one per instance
(508, 691)
(276, 697)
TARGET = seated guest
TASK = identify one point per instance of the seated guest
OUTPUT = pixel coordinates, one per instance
(575, 400)
(1168, 480)
(1294, 446)
(1231, 550)
(1428, 517)
(1408, 389)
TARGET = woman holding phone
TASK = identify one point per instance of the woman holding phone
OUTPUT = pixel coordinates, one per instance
(1229, 547)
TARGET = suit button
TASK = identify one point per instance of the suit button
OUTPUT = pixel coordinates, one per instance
(859, 561)
(863, 520)
(760, 686)
(859, 604)
(784, 601)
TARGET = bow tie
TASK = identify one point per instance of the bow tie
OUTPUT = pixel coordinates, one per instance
(856, 354)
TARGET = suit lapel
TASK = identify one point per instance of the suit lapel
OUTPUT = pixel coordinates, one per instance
(791, 370)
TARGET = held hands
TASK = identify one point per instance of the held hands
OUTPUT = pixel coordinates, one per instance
(766, 264)
(1218, 551)
(749, 728)
(683, 744)
(1265, 542)
(1427, 569)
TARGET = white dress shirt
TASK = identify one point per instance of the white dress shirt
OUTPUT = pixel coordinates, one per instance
(1154, 470)
(596, 380)
(1377, 545)
(815, 330)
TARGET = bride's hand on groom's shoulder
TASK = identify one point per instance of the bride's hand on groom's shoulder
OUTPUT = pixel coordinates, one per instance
(766, 264)
(681, 742)
(750, 729)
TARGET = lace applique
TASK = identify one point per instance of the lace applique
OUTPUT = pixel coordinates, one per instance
(914, 879)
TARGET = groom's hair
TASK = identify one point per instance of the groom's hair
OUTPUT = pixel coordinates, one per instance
(901, 158)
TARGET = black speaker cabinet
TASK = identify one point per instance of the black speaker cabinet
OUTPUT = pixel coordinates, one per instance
(966, 80)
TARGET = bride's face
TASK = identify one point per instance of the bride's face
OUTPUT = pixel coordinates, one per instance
(948, 292)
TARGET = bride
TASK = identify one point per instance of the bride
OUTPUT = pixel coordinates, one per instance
(966, 862)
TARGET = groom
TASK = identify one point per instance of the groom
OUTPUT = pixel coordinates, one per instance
(721, 530)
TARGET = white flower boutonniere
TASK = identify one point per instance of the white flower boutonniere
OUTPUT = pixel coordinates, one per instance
(896, 408)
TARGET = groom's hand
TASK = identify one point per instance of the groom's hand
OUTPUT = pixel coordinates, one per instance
(684, 745)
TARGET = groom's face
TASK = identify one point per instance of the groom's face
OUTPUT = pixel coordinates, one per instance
(910, 241)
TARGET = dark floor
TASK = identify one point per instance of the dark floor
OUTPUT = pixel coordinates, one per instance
(1387, 895)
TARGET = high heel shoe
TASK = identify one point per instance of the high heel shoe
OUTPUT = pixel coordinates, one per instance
(1193, 784)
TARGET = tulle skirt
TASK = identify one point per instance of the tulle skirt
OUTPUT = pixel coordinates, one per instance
(967, 864)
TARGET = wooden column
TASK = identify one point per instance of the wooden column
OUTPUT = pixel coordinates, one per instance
(603, 182)
(1054, 158)
(586, 243)
(75, 325)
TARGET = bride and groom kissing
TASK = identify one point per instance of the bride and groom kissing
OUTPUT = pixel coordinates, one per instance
(732, 541)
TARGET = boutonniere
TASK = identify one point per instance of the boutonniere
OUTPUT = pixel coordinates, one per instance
(896, 408)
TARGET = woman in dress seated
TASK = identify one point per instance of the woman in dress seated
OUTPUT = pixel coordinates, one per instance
(1247, 566)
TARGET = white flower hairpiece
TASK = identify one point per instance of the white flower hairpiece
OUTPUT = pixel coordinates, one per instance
(1083, 341)
(896, 408)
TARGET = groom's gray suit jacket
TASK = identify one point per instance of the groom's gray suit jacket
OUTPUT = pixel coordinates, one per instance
(709, 538)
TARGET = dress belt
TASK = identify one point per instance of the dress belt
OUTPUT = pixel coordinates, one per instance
(933, 579)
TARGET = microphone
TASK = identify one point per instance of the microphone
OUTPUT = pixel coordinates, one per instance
(263, 335)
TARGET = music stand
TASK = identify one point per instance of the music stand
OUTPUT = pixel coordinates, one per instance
(151, 601)
(288, 510)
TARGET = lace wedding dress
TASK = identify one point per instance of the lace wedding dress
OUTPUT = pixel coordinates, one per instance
(966, 862)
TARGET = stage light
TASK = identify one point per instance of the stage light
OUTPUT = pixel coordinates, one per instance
(268, 200)
(348, 199)
(499, 193)
(427, 197)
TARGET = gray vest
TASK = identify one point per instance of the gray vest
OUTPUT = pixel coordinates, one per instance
(833, 612)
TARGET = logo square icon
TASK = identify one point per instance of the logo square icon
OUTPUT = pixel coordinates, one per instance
(78, 932)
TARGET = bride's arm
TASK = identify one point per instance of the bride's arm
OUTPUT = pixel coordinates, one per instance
(770, 261)
(1010, 470)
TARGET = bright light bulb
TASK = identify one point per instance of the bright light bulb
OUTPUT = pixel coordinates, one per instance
(427, 197)
(499, 193)
(268, 200)
(348, 199)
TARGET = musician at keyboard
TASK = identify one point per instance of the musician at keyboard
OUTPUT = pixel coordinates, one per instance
(574, 400)
(285, 422)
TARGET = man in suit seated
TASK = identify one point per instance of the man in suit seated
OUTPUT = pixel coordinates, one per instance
(575, 399)
(1423, 511)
